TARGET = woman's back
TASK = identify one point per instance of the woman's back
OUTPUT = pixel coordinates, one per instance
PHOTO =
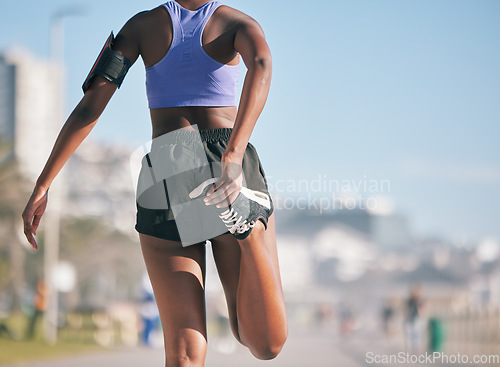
(154, 30)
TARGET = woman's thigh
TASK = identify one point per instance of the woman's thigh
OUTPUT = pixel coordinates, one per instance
(177, 274)
(227, 256)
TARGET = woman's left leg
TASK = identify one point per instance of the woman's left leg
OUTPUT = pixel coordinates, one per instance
(249, 273)
(177, 274)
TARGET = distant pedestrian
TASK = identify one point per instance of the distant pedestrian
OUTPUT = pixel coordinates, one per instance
(40, 304)
(149, 313)
(413, 319)
(346, 320)
(388, 313)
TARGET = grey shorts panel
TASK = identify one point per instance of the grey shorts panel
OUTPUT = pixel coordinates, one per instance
(176, 165)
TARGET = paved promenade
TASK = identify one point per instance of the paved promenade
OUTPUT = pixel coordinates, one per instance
(301, 350)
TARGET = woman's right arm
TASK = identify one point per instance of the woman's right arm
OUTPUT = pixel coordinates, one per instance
(75, 130)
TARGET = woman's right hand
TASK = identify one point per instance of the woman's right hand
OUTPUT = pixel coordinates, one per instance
(33, 213)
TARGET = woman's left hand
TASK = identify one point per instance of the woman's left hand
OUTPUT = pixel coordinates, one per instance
(33, 213)
(225, 190)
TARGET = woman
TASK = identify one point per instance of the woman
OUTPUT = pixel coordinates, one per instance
(176, 40)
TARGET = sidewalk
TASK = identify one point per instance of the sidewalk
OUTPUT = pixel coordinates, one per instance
(301, 350)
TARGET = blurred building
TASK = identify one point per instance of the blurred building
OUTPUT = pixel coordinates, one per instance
(99, 184)
(31, 100)
(389, 231)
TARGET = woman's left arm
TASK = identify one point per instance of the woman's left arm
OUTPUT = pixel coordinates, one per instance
(251, 43)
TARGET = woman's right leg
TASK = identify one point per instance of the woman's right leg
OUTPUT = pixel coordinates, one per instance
(249, 272)
(177, 274)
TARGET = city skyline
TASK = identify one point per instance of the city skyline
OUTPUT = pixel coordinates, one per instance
(30, 108)
(388, 91)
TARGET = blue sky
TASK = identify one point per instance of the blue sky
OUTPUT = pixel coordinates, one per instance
(406, 91)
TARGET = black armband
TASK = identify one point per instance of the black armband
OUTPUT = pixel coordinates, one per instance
(109, 64)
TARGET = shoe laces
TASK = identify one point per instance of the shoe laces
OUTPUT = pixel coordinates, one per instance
(235, 224)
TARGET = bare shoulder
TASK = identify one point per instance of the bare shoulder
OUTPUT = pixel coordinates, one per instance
(236, 18)
(143, 19)
(140, 30)
(248, 36)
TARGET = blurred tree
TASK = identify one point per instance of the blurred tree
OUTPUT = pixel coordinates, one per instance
(14, 191)
(108, 263)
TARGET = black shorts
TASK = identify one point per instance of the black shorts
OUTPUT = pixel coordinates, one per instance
(179, 162)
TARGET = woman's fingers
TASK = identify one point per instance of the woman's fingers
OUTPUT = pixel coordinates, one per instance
(215, 186)
(36, 222)
(227, 200)
(32, 215)
(225, 190)
(223, 195)
(28, 230)
(218, 195)
(32, 241)
(230, 199)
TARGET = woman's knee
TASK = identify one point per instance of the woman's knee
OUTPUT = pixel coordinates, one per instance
(184, 361)
(266, 348)
(187, 349)
(267, 351)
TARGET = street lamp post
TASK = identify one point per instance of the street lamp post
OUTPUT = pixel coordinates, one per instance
(53, 215)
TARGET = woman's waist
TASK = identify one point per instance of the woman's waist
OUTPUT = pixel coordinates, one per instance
(166, 120)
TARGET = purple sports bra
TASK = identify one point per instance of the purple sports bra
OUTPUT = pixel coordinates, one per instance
(187, 75)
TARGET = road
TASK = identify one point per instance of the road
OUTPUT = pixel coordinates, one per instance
(300, 350)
